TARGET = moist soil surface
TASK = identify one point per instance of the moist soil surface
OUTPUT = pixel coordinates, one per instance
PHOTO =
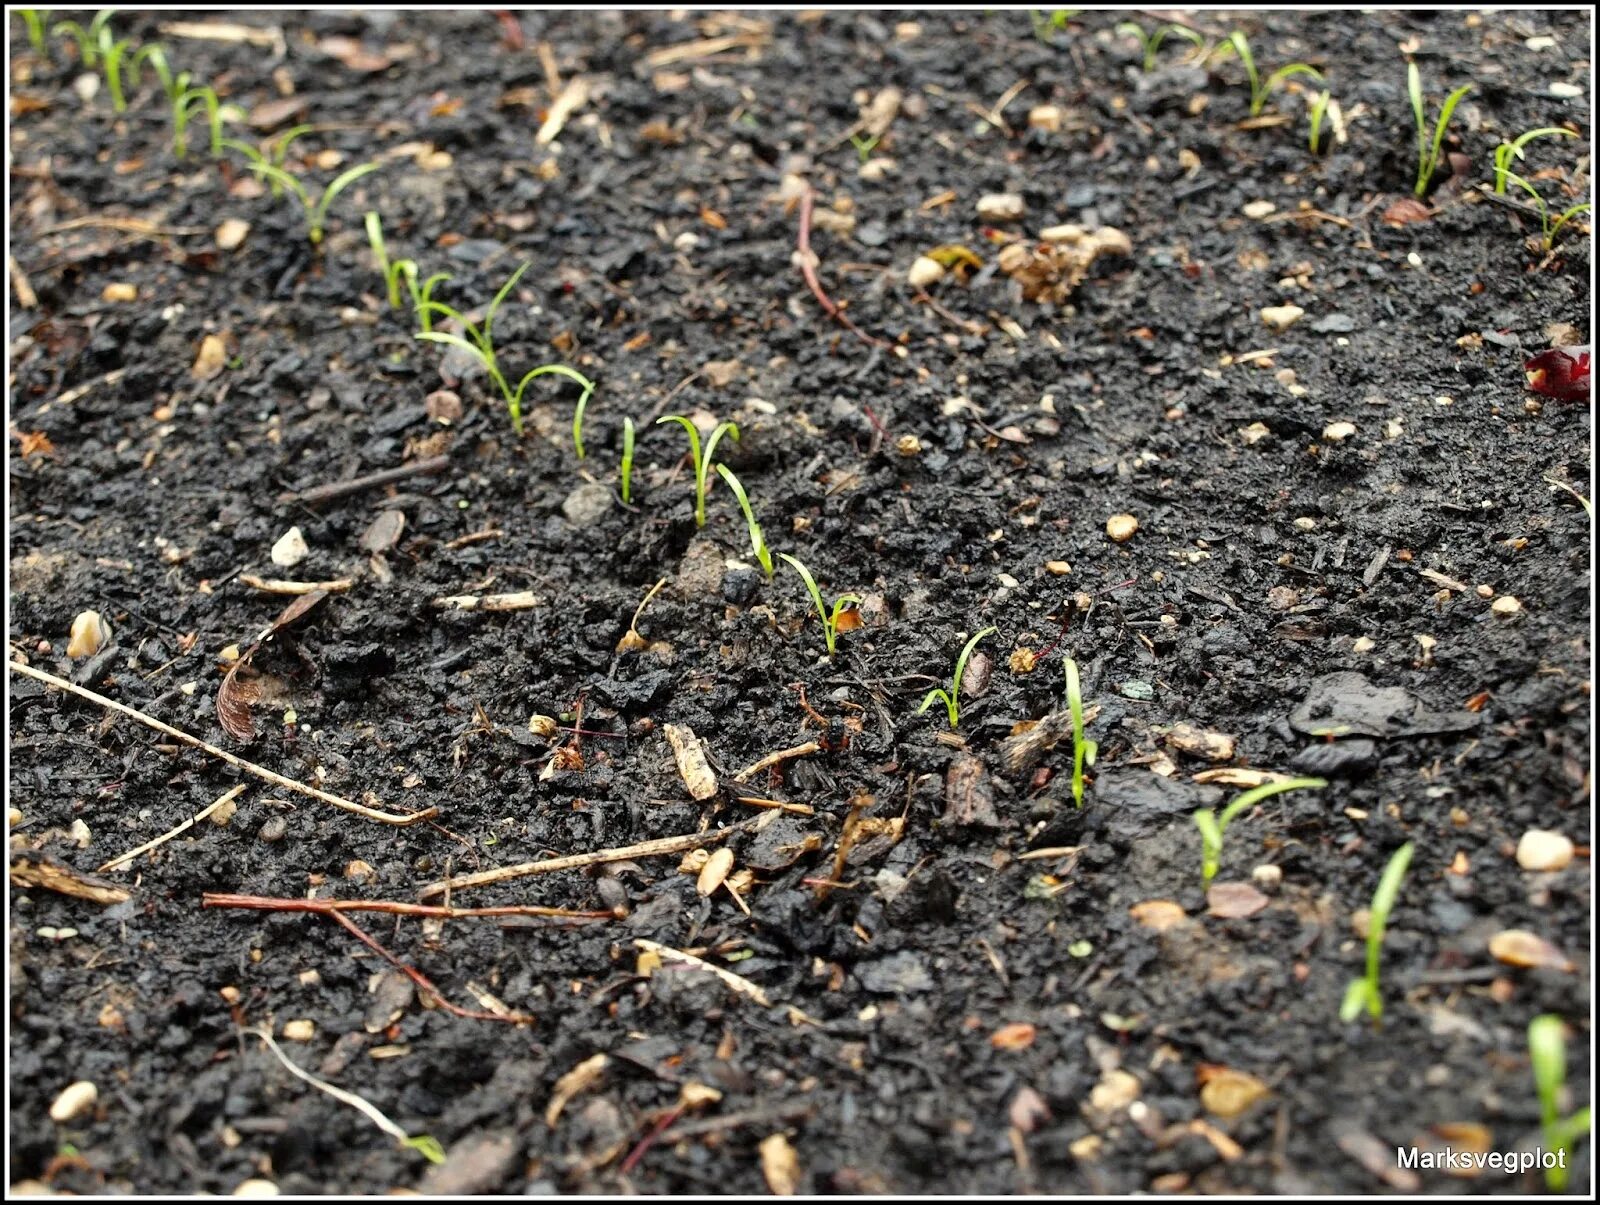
(971, 1000)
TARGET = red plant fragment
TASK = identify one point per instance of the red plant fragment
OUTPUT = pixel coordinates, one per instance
(1561, 373)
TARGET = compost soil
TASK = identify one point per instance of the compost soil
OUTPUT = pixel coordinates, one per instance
(940, 1011)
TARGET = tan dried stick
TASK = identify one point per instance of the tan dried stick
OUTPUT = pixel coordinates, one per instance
(227, 797)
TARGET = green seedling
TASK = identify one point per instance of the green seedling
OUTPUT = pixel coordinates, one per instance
(112, 55)
(1507, 151)
(172, 86)
(701, 459)
(316, 211)
(217, 114)
(1547, 1051)
(1552, 228)
(1429, 151)
(1084, 750)
(758, 543)
(830, 619)
(92, 40)
(952, 696)
(393, 271)
(1364, 993)
(425, 1145)
(1261, 90)
(35, 19)
(864, 146)
(627, 463)
(278, 152)
(1213, 827)
(1319, 111)
(1151, 42)
(1047, 22)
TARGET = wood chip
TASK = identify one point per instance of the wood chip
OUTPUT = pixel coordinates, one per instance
(211, 359)
(573, 97)
(780, 1165)
(737, 982)
(1519, 948)
(1213, 746)
(1234, 901)
(692, 767)
(969, 799)
(714, 872)
(42, 871)
(1159, 915)
(524, 600)
(1227, 1093)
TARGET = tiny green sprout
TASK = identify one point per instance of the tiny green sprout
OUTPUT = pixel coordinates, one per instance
(112, 56)
(1261, 91)
(1084, 751)
(172, 86)
(758, 543)
(1151, 42)
(701, 459)
(1588, 507)
(392, 271)
(1213, 827)
(1547, 1051)
(1507, 151)
(278, 151)
(316, 211)
(1364, 992)
(830, 620)
(1318, 111)
(1552, 227)
(34, 19)
(217, 114)
(627, 461)
(865, 145)
(952, 696)
(1046, 23)
(91, 40)
(1429, 151)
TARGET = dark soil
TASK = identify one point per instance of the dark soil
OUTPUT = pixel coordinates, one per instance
(1270, 565)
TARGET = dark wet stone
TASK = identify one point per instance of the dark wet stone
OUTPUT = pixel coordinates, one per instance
(642, 692)
(1346, 703)
(1339, 759)
(897, 975)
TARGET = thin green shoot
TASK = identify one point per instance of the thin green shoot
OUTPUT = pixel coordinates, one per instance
(701, 460)
(481, 336)
(1084, 750)
(422, 294)
(425, 1145)
(1151, 42)
(172, 86)
(1213, 827)
(1046, 23)
(627, 462)
(316, 211)
(1319, 111)
(278, 151)
(390, 270)
(952, 696)
(1551, 227)
(34, 19)
(112, 56)
(1588, 507)
(1261, 91)
(217, 114)
(1365, 992)
(1507, 151)
(1429, 151)
(1547, 1051)
(830, 619)
(864, 145)
(91, 40)
(758, 543)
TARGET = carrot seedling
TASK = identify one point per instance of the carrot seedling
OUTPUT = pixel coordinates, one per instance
(392, 271)
(34, 19)
(91, 41)
(112, 55)
(172, 86)
(316, 211)
(830, 620)
(1507, 151)
(425, 1145)
(1551, 228)
(1364, 992)
(758, 543)
(217, 114)
(1429, 151)
(1084, 751)
(1547, 1051)
(952, 696)
(627, 461)
(701, 459)
(1151, 42)
(1261, 90)
(1213, 827)
(1318, 112)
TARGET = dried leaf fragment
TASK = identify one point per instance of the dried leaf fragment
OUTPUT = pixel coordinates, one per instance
(691, 758)
(780, 1165)
(1234, 901)
(1018, 1035)
(1519, 948)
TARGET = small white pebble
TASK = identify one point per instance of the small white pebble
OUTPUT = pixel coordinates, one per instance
(1338, 432)
(256, 1188)
(74, 1099)
(924, 271)
(1280, 318)
(1258, 209)
(1121, 527)
(1363, 644)
(1505, 606)
(1000, 207)
(299, 1030)
(290, 549)
(1267, 877)
(1541, 849)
